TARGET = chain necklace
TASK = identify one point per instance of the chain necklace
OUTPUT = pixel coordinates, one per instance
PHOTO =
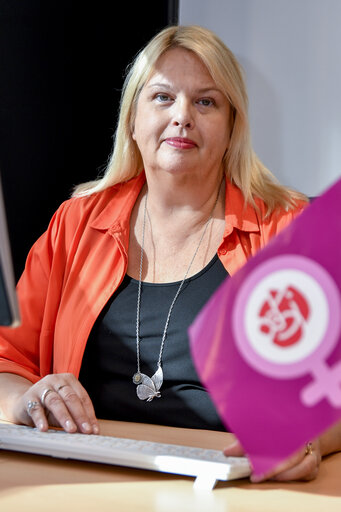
(149, 387)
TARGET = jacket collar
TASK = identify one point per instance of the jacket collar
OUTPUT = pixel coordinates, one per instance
(116, 214)
(121, 198)
(238, 214)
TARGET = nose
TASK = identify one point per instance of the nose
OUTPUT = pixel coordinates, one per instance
(183, 114)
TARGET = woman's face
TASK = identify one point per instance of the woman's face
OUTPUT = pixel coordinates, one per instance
(182, 122)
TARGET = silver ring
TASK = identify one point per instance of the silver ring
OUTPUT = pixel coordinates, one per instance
(44, 395)
(31, 405)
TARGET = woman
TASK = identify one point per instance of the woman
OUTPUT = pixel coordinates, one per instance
(126, 264)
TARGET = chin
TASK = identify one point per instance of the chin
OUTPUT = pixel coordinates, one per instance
(180, 170)
(179, 166)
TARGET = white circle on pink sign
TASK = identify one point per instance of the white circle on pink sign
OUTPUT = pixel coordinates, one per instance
(286, 321)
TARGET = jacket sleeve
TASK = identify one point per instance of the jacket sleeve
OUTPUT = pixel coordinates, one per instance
(21, 348)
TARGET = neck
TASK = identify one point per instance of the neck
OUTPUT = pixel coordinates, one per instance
(174, 223)
(185, 199)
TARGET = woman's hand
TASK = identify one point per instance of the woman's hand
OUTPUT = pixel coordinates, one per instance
(304, 465)
(58, 400)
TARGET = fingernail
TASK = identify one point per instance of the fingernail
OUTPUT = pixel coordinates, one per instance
(69, 425)
(86, 427)
(256, 478)
(95, 429)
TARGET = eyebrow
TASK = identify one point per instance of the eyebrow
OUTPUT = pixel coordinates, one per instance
(165, 85)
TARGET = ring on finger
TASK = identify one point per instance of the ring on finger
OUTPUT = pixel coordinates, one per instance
(44, 395)
(31, 406)
(308, 449)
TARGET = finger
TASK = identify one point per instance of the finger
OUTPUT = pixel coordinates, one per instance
(36, 415)
(286, 465)
(234, 450)
(300, 466)
(307, 469)
(54, 404)
(73, 382)
(60, 400)
(80, 407)
(67, 403)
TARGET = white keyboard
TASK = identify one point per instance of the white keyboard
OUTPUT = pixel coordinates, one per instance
(207, 466)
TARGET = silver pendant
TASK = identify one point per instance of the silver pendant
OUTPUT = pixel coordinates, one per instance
(148, 387)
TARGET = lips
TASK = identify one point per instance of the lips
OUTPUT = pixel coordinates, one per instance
(180, 142)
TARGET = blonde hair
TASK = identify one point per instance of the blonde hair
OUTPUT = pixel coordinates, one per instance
(242, 166)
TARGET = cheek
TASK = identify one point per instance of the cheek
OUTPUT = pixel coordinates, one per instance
(223, 136)
(139, 131)
(145, 138)
(137, 125)
(218, 137)
(148, 132)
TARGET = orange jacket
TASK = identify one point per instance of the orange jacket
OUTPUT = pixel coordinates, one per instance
(78, 263)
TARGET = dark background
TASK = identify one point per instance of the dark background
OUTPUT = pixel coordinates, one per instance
(62, 65)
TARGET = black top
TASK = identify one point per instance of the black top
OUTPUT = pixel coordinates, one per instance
(109, 362)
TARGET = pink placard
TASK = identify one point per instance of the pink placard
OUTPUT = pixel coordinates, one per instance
(267, 345)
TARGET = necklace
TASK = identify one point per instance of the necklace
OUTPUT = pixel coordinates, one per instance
(149, 387)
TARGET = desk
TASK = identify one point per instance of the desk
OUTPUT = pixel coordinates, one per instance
(43, 484)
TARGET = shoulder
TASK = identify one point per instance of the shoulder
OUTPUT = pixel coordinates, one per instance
(255, 216)
(271, 224)
(99, 207)
(91, 205)
(279, 214)
(69, 223)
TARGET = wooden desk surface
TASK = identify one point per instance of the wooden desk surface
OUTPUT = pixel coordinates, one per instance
(36, 483)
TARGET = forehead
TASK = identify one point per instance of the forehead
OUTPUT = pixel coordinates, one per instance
(180, 64)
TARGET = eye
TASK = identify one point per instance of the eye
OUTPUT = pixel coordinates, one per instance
(206, 102)
(162, 98)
